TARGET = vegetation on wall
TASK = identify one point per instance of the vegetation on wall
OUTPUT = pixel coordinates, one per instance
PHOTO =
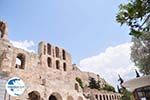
(80, 82)
(109, 88)
(126, 95)
(93, 84)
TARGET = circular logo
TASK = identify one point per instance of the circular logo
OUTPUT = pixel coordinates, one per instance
(15, 86)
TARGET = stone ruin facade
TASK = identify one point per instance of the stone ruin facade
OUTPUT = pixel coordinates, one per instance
(48, 74)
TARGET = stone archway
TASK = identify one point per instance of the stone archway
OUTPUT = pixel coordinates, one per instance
(20, 58)
(34, 95)
(80, 98)
(70, 98)
(55, 96)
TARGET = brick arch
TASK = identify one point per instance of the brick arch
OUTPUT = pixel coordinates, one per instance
(55, 96)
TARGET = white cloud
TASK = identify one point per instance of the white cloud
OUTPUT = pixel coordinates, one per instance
(26, 45)
(115, 60)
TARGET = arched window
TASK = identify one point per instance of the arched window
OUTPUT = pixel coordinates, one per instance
(1, 34)
(107, 97)
(100, 97)
(20, 61)
(64, 67)
(104, 97)
(57, 64)
(57, 52)
(64, 54)
(48, 49)
(96, 96)
(76, 87)
(49, 62)
(3, 30)
(110, 97)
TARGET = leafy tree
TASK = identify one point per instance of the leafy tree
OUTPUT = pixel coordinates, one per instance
(93, 84)
(140, 53)
(135, 14)
(109, 88)
(126, 95)
(80, 82)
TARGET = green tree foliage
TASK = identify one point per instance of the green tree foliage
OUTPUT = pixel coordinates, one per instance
(135, 14)
(80, 82)
(109, 88)
(126, 95)
(93, 84)
(140, 53)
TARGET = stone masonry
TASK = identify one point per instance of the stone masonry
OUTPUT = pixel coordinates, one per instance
(48, 75)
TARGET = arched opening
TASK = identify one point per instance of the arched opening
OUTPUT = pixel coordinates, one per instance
(107, 97)
(2, 30)
(104, 97)
(55, 96)
(100, 97)
(57, 52)
(96, 96)
(20, 61)
(80, 98)
(48, 49)
(64, 67)
(34, 95)
(52, 97)
(0, 34)
(49, 62)
(76, 87)
(64, 54)
(119, 98)
(70, 98)
(57, 64)
(110, 97)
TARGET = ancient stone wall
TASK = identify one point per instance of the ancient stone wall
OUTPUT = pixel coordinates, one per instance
(54, 57)
(48, 75)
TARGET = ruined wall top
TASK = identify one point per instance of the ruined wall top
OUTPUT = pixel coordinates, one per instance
(3, 30)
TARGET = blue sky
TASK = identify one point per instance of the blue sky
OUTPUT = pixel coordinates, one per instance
(85, 28)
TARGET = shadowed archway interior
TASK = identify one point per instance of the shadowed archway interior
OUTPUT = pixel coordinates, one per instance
(55, 96)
